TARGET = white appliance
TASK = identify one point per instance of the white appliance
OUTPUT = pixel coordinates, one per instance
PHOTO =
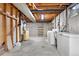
(51, 36)
(68, 44)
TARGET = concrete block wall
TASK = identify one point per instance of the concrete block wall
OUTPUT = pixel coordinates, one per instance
(34, 28)
(57, 20)
(73, 22)
(60, 18)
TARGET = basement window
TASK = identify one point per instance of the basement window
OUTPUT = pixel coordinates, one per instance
(75, 7)
(74, 10)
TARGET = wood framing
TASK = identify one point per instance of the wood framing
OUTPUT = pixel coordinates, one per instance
(4, 29)
(11, 26)
(1, 27)
(20, 27)
(16, 27)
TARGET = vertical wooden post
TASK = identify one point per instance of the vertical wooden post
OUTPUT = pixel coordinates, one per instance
(11, 26)
(16, 28)
(20, 26)
(16, 32)
(4, 29)
(17, 15)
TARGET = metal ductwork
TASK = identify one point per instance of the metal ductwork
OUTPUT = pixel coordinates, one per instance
(49, 10)
(25, 10)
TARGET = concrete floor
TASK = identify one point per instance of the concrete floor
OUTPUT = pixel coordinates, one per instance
(34, 47)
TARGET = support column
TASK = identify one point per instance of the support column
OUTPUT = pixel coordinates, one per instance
(11, 26)
(4, 29)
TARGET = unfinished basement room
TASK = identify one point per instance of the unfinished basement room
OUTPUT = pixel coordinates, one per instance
(39, 29)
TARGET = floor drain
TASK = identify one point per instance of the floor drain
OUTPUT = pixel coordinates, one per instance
(43, 46)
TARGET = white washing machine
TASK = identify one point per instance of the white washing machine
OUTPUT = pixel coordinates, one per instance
(51, 36)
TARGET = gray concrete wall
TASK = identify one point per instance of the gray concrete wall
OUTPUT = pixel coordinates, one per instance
(73, 22)
(34, 28)
(60, 18)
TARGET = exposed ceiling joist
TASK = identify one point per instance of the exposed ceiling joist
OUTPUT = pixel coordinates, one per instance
(49, 4)
(50, 7)
(49, 10)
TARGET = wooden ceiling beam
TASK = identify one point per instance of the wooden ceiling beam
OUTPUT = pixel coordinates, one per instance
(50, 10)
(50, 4)
(49, 7)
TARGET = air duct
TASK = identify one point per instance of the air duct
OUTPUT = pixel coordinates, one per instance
(25, 10)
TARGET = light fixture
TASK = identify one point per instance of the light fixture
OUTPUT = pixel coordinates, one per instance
(42, 17)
